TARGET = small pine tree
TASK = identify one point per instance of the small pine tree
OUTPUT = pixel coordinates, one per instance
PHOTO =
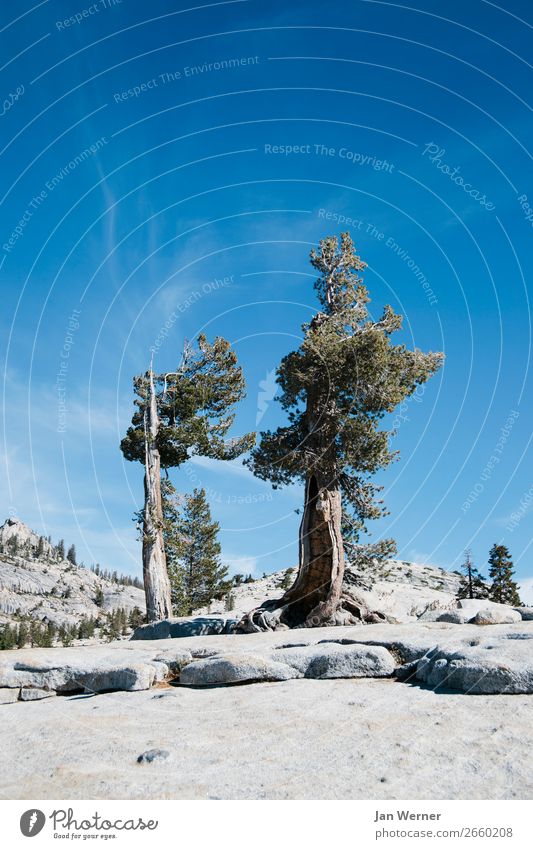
(40, 548)
(8, 637)
(13, 545)
(136, 618)
(113, 627)
(193, 551)
(503, 589)
(71, 555)
(60, 549)
(33, 633)
(49, 635)
(99, 597)
(23, 635)
(472, 584)
(287, 579)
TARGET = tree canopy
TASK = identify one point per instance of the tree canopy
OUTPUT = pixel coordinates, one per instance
(339, 384)
(195, 407)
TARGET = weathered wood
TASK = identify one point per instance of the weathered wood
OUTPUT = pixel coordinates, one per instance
(316, 593)
(156, 581)
(315, 596)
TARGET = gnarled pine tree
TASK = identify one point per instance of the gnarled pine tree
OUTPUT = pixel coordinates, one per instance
(335, 388)
(187, 412)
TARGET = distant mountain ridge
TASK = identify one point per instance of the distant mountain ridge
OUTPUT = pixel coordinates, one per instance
(45, 588)
(40, 586)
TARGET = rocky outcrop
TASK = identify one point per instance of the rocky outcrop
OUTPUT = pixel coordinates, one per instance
(500, 614)
(400, 590)
(455, 617)
(499, 665)
(34, 694)
(331, 660)
(92, 669)
(466, 658)
(27, 541)
(328, 660)
(490, 616)
(8, 695)
(183, 627)
(238, 668)
(525, 612)
(41, 587)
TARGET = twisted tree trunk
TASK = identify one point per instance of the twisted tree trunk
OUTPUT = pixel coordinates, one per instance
(156, 581)
(314, 598)
(316, 592)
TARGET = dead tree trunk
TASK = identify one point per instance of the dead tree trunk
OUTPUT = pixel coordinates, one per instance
(156, 582)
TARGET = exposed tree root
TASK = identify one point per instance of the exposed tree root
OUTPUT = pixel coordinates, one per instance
(281, 614)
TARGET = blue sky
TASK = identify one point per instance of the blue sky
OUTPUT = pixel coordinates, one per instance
(167, 169)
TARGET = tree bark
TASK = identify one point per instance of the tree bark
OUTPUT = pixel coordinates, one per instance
(156, 581)
(315, 596)
(316, 592)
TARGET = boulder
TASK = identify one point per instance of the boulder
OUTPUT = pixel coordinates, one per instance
(501, 665)
(33, 694)
(525, 612)
(472, 606)
(235, 668)
(333, 660)
(32, 673)
(430, 615)
(404, 649)
(456, 617)
(8, 695)
(197, 654)
(496, 617)
(121, 676)
(161, 671)
(81, 671)
(407, 671)
(153, 755)
(167, 628)
(175, 659)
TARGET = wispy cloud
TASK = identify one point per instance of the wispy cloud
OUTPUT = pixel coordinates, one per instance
(242, 565)
(225, 467)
